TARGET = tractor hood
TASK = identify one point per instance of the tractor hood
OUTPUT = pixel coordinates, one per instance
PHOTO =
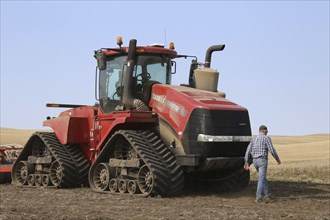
(175, 104)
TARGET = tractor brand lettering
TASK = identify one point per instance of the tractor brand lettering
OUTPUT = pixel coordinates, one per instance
(162, 99)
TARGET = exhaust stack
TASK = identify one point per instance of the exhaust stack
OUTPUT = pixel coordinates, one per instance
(128, 99)
(209, 54)
(207, 78)
(128, 73)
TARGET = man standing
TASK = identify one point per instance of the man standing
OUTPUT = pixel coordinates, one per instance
(258, 151)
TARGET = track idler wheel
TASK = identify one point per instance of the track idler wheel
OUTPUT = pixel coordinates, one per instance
(132, 187)
(56, 174)
(101, 176)
(22, 170)
(113, 185)
(145, 180)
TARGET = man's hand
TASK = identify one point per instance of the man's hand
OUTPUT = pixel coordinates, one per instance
(246, 166)
(279, 162)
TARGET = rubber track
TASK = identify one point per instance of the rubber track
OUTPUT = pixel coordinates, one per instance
(235, 181)
(238, 181)
(81, 164)
(168, 176)
(72, 160)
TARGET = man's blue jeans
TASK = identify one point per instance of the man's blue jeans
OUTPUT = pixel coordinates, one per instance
(261, 165)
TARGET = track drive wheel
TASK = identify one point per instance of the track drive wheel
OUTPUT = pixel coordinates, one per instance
(22, 171)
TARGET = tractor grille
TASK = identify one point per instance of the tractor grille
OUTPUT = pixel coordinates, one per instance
(216, 122)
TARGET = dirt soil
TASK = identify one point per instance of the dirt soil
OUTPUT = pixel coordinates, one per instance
(301, 185)
(294, 201)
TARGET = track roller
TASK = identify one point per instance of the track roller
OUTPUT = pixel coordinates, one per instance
(113, 185)
(122, 185)
(31, 180)
(45, 180)
(132, 187)
(38, 180)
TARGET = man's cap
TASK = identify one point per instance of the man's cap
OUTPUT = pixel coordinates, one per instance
(263, 128)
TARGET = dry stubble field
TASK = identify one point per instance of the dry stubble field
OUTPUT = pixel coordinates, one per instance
(301, 185)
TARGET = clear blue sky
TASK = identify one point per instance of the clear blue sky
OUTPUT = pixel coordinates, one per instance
(276, 60)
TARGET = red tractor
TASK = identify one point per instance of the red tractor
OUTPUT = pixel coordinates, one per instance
(144, 136)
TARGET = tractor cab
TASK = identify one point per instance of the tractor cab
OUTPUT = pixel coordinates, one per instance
(152, 66)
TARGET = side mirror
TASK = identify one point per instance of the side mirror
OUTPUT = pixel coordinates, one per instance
(101, 59)
(173, 67)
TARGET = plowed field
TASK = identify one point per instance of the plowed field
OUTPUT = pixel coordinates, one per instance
(301, 186)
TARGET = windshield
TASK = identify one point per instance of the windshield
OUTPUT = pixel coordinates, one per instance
(150, 69)
(110, 78)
